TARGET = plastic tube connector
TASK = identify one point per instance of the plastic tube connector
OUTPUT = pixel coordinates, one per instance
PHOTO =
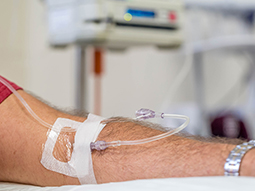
(102, 145)
(98, 145)
(143, 114)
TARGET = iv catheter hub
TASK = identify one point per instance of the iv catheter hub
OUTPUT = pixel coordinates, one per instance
(99, 145)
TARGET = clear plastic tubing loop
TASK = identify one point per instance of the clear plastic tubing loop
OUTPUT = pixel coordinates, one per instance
(143, 114)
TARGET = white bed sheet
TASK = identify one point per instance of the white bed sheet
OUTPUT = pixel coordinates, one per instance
(173, 184)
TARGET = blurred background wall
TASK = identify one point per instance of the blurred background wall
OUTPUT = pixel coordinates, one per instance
(26, 57)
(138, 77)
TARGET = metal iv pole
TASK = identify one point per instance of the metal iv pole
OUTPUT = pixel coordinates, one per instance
(204, 129)
(80, 81)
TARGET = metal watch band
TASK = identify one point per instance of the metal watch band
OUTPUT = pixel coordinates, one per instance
(234, 159)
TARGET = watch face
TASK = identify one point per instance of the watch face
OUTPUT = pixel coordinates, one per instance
(229, 125)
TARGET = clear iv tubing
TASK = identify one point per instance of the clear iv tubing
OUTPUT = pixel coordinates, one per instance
(143, 114)
(25, 104)
(102, 145)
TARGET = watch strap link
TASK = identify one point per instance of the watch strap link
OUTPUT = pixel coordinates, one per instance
(234, 159)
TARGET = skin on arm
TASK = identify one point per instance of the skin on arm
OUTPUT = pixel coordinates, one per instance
(22, 138)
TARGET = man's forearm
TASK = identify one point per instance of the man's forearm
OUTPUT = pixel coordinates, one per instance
(170, 157)
(22, 139)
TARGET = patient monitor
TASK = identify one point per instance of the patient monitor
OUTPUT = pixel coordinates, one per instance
(115, 23)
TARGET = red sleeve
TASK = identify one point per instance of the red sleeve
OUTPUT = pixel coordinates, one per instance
(5, 92)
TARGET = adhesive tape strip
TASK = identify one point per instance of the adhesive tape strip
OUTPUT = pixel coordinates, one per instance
(86, 133)
(48, 160)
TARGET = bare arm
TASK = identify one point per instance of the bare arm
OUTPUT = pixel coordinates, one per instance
(22, 139)
(170, 157)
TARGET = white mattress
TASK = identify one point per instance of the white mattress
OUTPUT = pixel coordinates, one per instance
(180, 184)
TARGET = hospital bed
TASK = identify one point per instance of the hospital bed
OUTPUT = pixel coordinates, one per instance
(180, 184)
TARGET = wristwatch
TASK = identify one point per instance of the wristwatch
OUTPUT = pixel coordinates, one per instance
(234, 159)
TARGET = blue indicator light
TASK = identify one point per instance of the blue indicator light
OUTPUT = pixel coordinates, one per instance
(141, 13)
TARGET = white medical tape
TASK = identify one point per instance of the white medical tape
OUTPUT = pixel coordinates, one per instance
(86, 133)
(48, 160)
(80, 165)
